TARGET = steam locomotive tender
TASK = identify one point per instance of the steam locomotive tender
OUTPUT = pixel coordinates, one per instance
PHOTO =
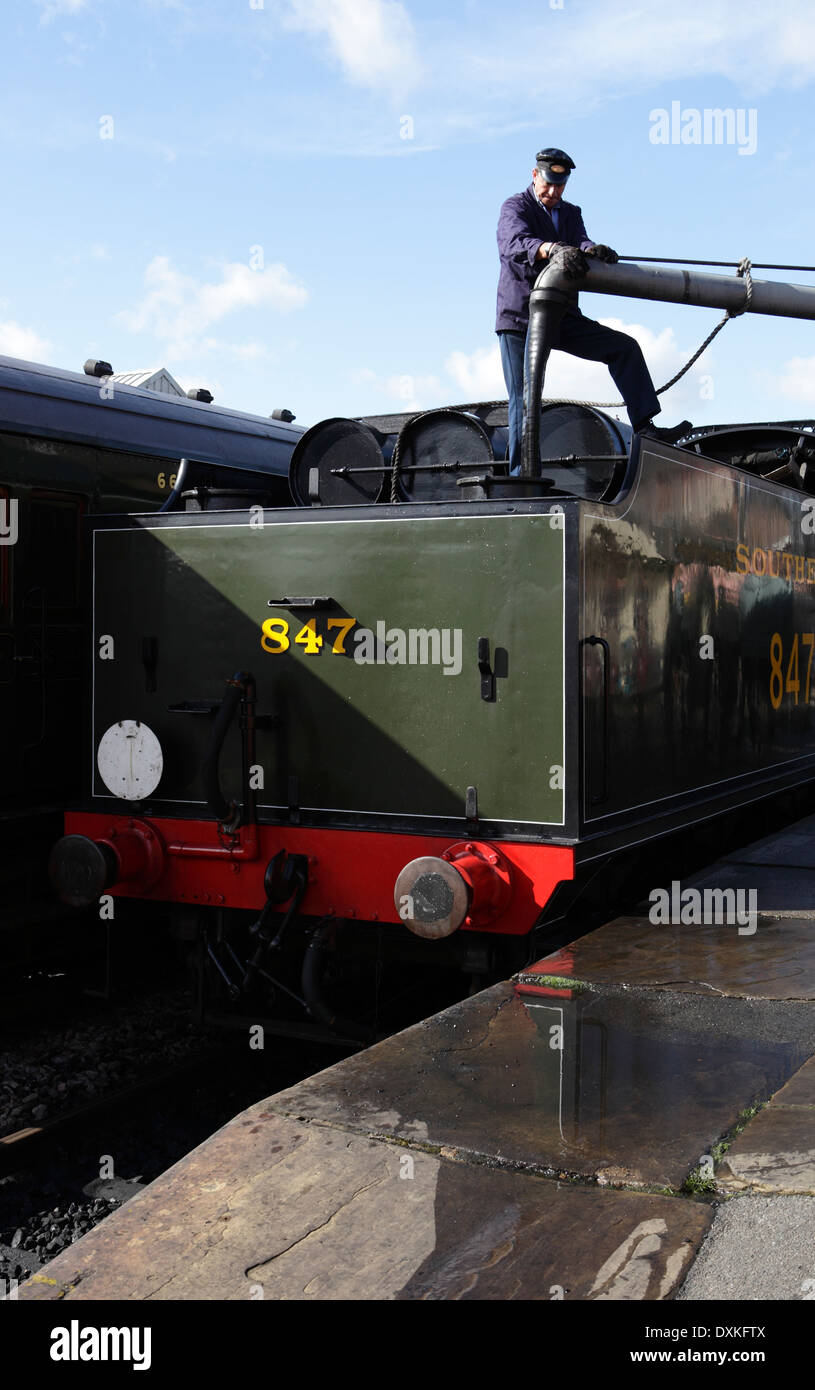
(402, 713)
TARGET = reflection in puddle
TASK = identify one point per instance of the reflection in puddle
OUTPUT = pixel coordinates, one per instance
(574, 1086)
(614, 1078)
(631, 1085)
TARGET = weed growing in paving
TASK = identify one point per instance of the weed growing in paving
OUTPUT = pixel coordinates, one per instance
(700, 1180)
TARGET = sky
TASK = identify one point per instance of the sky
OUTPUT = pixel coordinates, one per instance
(294, 202)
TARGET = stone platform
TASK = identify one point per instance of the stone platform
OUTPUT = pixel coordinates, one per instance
(560, 1135)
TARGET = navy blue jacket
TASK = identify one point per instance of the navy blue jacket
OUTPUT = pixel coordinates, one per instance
(524, 223)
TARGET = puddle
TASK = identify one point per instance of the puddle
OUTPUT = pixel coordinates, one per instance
(627, 1086)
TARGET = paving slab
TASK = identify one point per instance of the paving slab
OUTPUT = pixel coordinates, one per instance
(775, 1153)
(777, 961)
(780, 885)
(805, 826)
(757, 1248)
(273, 1208)
(800, 1089)
(779, 867)
(627, 1086)
(794, 848)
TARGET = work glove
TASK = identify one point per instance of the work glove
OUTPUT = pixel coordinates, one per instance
(603, 253)
(570, 260)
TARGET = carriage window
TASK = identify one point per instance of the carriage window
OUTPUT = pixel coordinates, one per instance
(54, 544)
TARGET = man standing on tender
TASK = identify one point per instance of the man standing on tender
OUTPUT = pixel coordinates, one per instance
(536, 226)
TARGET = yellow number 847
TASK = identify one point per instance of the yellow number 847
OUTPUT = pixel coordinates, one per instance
(275, 636)
(779, 687)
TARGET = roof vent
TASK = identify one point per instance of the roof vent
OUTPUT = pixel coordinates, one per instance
(283, 415)
(200, 393)
(94, 368)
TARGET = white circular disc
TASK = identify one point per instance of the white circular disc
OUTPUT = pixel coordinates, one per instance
(130, 760)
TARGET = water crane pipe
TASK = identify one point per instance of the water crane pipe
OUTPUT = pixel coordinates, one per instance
(554, 293)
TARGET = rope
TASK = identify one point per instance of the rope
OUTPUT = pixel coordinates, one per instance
(744, 269)
(449, 411)
(395, 468)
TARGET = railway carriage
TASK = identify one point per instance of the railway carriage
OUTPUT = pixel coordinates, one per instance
(71, 445)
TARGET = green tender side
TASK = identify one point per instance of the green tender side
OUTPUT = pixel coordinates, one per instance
(385, 736)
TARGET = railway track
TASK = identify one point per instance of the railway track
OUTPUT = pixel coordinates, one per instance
(21, 1144)
(62, 1174)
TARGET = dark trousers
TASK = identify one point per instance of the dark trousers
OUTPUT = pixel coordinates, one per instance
(583, 338)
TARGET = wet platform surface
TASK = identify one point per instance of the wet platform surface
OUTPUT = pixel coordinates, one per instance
(777, 961)
(278, 1209)
(534, 1141)
(622, 1087)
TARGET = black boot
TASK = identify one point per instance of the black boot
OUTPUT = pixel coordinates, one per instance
(668, 436)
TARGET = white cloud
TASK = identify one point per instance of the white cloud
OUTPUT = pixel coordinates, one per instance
(401, 391)
(795, 381)
(178, 309)
(753, 46)
(18, 341)
(476, 76)
(481, 81)
(245, 352)
(53, 8)
(478, 375)
(373, 40)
